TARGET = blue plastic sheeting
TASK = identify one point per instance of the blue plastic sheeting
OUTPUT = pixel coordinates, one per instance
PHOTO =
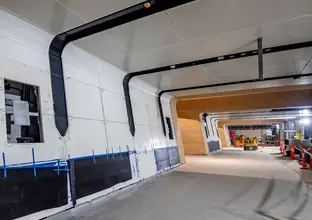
(166, 157)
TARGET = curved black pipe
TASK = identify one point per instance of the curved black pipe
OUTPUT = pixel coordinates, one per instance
(294, 76)
(202, 62)
(61, 40)
(126, 88)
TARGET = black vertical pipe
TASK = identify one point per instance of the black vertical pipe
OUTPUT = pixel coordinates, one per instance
(260, 58)
(129, 108)
(161, 114)
(72, 181)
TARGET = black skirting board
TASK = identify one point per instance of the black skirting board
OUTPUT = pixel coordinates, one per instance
(21, 193)
(96, 174)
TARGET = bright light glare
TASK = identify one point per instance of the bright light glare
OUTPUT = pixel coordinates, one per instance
(304, 112)
(306, 121)
(277, 126)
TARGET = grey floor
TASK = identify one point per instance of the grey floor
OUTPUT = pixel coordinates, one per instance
(231, 185)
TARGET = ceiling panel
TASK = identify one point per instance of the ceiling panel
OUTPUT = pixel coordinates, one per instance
(233, 42)
(202, 29)
(287, 62)
(179, 78)
(147, 33)
(165, 56)
(211, 17)
(93, 9)
(281, 33)
(48, 14)
(233, 70)
(105, 48)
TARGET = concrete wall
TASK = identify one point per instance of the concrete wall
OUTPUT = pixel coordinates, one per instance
(96, 107)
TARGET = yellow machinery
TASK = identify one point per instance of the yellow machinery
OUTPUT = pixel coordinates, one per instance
(239, 141)
(251, 143)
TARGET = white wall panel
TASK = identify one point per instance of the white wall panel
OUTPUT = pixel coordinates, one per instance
(143, 138)
(13, 26)
(80, 73)
(85, 136)
(10, 46)
(140, 112)
(118, 135)
(84, 101)
(159, 140)
(153, 115)
(147, 164)
(114, 107)
(111, 78)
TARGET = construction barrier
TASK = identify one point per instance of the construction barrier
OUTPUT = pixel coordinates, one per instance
(303, 161)
(306, 157)
(282, 147)
(310, 161)
(292, 154)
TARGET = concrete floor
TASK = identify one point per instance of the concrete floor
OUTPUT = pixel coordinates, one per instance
(231, 185)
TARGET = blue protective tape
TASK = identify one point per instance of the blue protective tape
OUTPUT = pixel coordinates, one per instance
(100, 155)
(34, 163)
(4, 166)
(63, 163)
(58, 167)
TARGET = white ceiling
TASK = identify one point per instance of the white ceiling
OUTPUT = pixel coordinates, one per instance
(203, 29)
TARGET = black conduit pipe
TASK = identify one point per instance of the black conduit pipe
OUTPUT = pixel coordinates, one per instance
(221, 58)
(59, 42)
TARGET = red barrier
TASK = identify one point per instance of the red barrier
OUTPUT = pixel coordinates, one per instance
(293, 157)
(310, 151)
(282, 147)
(303, 160)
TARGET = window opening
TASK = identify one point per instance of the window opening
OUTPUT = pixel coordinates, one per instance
(22, 109)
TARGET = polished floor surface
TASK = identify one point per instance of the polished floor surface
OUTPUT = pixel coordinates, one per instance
(230, 185)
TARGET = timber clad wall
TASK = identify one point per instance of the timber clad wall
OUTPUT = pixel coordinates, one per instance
(192, 137)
